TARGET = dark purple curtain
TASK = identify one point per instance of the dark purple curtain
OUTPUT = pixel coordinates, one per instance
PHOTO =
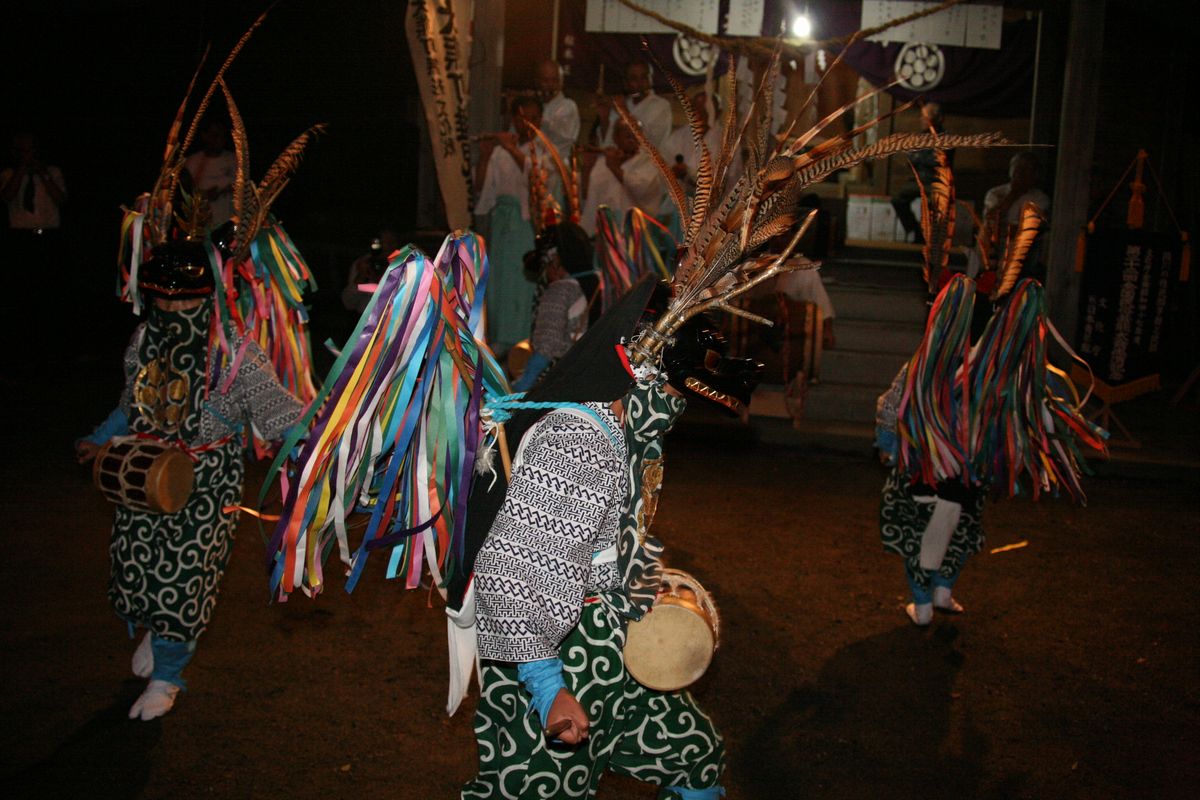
(581, 54)
(977, 83)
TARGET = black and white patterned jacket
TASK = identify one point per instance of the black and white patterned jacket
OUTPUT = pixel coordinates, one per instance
(539, 560)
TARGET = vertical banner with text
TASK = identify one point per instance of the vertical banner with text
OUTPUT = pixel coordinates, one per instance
(1124, 301)
(440, 42)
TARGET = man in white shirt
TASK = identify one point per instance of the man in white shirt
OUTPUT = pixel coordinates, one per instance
(31, 249)
(504, 197)
(32, 190)
(1002, 209)
(560, 115)
(213, 170)
(681, 153)
(652, 111)
(625, 177)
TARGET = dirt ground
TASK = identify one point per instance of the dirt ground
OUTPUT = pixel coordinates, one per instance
(1073, 674)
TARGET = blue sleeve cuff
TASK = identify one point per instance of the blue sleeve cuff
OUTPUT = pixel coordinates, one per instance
(542, 679)
(533, 368)
(711, 793)
(887, 442)
(115, 424)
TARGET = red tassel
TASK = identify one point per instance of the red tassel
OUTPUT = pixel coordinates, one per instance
(1081, 247)
(1185, 258)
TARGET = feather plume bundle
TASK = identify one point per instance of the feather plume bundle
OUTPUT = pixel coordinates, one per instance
(1016, 249)
(937, 218)
(726, 225)
(262, 283)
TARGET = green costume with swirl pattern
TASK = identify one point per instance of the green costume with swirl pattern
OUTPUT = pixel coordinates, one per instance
(167, 568)
(662, 738)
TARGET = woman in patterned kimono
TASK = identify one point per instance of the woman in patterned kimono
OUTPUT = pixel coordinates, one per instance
(166, 568)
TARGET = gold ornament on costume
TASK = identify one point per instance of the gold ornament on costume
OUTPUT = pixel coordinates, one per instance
(652, 478)
(162, 393)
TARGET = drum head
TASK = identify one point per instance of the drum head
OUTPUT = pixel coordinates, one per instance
(170, 482)
(669, 648)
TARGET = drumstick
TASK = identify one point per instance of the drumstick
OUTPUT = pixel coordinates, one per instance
(502, 444)
(555, 730)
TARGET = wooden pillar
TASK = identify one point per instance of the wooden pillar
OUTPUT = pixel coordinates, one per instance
(487, 64)
(1076, 140)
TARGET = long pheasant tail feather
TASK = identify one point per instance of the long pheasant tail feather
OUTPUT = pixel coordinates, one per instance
(754, 151)
(892, 145)
(1017, 249)
(837, 145)
(943, 207)
(926, 228)
(937, 217)
(572, 189)
(730, 141)
(286, 163)
(800, 142)
(705, 170)
(177, 123)
(241, 152)
(981, 239)
(811, 100)
(704, 173)
(233, 54)
(766, 109)
(563, 171)
(168, 178)
(673, 187)
(541, 204)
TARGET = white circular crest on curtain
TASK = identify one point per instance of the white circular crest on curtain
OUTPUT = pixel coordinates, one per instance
(920, 66)
(692, 55)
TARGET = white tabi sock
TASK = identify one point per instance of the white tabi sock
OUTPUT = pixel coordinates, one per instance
(920, 613)
(157, 699)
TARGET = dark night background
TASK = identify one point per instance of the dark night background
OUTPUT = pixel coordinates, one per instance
(1074, 674)
(99, 82)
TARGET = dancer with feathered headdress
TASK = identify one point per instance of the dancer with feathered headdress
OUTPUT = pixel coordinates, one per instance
(978, 407)
(200, 374)
(546, 556)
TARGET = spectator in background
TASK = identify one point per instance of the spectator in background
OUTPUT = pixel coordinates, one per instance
(924, 162)
(213, 169)
(34, 193)
(560, 115)
(625, 177)
(681, 153)
(368, 269)
(652, 111)
(33, 190)
(1002, 209)
(562, 249)
(503, 196)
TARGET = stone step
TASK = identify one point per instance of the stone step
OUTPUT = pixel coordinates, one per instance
(879, 337)
(863, 367)
(842, 402)
(894, 277)
(855, 302)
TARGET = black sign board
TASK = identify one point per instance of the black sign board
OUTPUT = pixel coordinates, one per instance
(1127, 283)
